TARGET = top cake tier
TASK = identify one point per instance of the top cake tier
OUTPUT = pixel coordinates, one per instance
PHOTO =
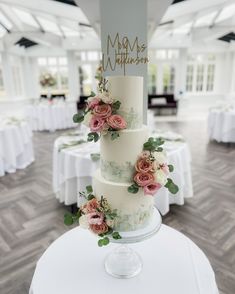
(129, 91)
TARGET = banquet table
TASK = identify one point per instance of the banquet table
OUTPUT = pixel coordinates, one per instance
(16, 147)
(172, 263)
(51, 117)
(73, 168)
(221, 125)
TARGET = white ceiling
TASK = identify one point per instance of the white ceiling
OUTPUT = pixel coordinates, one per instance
(54, 24)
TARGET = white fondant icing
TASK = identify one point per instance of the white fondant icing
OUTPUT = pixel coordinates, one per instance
(129, 91)
(134, 210)
(120, 153)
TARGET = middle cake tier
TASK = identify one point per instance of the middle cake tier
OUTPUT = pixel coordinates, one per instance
(118, 157)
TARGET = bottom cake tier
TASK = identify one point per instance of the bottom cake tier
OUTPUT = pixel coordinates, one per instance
(134, 210)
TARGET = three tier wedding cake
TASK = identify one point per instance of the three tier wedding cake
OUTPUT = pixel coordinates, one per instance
(118, 157)
(133, 166)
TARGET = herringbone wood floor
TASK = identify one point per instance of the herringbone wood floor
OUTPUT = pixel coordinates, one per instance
(31, 218)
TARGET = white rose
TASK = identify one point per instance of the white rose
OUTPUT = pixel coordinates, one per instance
(83, 222)
(87, 119)
(105, 97)
(160, 157)
(161, 177)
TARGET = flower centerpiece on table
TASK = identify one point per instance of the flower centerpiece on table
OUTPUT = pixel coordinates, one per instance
(152, 170)
(101, 114)
(95, 215)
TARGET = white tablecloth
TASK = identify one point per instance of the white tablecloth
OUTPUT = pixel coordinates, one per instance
(51, 117)
(221, 125)
(16, 147)
(172, 263)
(73, 169)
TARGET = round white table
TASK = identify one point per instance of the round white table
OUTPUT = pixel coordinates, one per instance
(73, 169)
(51, 117)
(172, 263)
(16, 147)
(221, 125)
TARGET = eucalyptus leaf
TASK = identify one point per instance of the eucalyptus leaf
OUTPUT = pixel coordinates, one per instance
(93, 136)
(116, 235)
(105, 241)
(68, 219)
(116, 105)
(114, 135)
(171, 168)
(78, 117)
(89, 189)
(93, 94)
(134, 188)
(100, 242)
(90, 197)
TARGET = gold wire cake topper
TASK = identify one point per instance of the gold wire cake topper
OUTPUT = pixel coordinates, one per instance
(122, 52)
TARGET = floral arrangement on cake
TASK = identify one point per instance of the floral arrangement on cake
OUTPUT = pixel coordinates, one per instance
(152, 170)
(95, 215)
(101, 114)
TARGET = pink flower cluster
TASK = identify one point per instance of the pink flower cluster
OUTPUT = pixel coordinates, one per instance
(95, 218)
(145, 177)
(102, 116)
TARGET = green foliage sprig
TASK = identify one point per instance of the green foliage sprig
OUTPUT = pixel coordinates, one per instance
(104, 207)
(155, 145)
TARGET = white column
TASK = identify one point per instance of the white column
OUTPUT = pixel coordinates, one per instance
(30, 77)
(7, 75)
(232, 82)
(128, 19)
(73, 76)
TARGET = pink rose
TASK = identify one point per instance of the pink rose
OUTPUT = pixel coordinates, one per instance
(145, 154)
(94, 102)
(144, 179)
(164, 167)
(152, 188)
(91, 206)
(96, 124)
(116, 122)
(95, 218)
(99, 229)
(102, 111)
(143, 165)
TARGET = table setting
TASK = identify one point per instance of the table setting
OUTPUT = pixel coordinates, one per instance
(16, 146)
(172, 263)
(51, 115)
(221, 123)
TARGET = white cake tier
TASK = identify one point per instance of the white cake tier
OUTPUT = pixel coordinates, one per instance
(118, 157)
(129, 91)
(134, 210)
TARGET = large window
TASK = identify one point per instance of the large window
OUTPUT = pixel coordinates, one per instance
(85, 72)
(152, 79)
(88, 62)
(189, 78)
(200, 73)
(199, 77)
(53, 74)
(168, 78)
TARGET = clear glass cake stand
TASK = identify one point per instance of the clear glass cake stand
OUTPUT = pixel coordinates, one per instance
(123, 262)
